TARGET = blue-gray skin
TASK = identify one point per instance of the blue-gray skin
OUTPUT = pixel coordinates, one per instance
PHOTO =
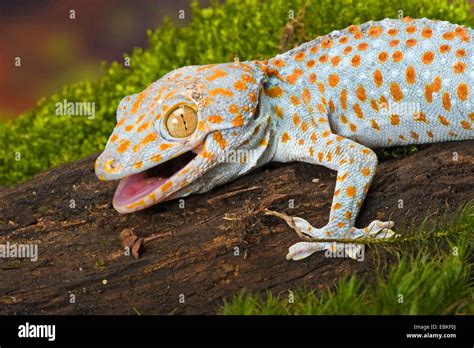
(327, 102)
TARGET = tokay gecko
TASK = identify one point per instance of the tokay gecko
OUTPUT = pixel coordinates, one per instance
(328, 102)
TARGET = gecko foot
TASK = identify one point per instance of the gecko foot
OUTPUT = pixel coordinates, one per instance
(332, 237)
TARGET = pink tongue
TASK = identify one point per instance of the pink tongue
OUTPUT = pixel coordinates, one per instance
(134, 187)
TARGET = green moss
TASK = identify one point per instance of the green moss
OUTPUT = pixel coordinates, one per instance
(432, 278)
(249, 29)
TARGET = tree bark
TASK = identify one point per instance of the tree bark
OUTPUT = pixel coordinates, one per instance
(206, 251)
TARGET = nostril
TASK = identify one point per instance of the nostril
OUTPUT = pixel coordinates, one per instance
(109, 164)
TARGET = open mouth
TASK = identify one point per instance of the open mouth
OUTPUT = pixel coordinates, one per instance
(137, 186)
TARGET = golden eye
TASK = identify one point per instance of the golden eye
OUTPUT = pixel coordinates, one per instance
(181, 122)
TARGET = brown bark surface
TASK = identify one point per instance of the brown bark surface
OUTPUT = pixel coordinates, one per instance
(80, 252)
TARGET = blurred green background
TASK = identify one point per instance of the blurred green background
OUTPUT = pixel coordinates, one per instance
(61, 57)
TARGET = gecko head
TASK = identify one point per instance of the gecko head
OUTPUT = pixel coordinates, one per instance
(174, 138)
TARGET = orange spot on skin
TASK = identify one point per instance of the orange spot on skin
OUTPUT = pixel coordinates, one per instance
(410, 75)
(383, 56)
(299, 56)
(459, 67)
(395, 120)
(343, 40)
(448, 35)
(124, 144)
(321, 87)
(446, 101)
(351, 191)
(295, 75)
(312, 77)
(429, 93)
(337, 206)
(333, 80)
(120, 123)
(471, 116)
(392, 32)
(352, 127)
(285, 137)
(156, 158)
(138, 165)
(215, 119)
(444, 48)
(221, 91)
(238, 121)
(274, 92)
(296, 119)
(310, 63)
(279, 111)
(129, 127)
(395, 91)
(347, 50)
(332, 107)
(443, 120)
(217, 73)
(362, 46)
(360, 93)
(335, 61)
(320, 157)
(137, 102)
(462, 91)
(378, 78)
(358, 111)
(143, 127)
(466, 125)
(355, 61)
(233, 108)
(411, 42)
(323, 59)
(278, 63)
(374, 125)
(294, 100)
(427, 57)
(426, 33)
(374, 105)
(165, 146)
(314, 49)
(166, 186)
(113, 138)
(394, 43)
(460, 53)
(252, 97)
(344, 99)
(304, 127)
(419, 116)
(436, 86)
(327, 43)
(374, 31)
(217, 136)
(365, 171)
(414, 135)
(306, 95)
(397, 56)
(348, 215)
(411, 29)
(240, 85)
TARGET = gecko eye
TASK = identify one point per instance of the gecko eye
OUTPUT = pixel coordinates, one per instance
(181, 122)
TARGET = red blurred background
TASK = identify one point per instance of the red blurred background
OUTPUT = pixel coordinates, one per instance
(56, 50)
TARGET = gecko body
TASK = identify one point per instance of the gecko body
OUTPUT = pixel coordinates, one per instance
(328, 102)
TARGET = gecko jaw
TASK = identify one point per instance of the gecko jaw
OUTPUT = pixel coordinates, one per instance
(140, 190)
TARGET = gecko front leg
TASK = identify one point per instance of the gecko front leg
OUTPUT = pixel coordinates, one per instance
(356, 165)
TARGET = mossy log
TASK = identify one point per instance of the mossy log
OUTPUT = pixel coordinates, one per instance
(206, 248)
